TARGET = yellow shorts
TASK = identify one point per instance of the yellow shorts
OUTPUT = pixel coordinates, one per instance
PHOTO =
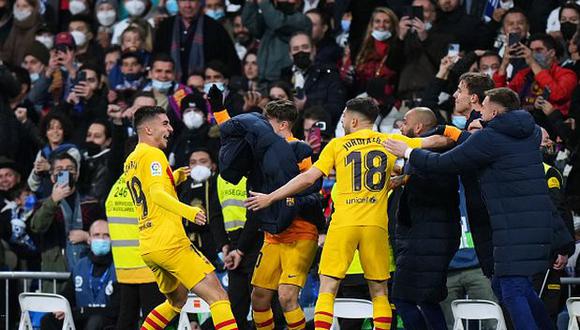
(185, 265)
(372, 243)
(284, 263)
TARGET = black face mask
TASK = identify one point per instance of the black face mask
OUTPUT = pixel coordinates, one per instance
(548, 154)
(286, 7)
(243, 38)
(568, 29)
(133, 76)
(92, 148)
(302, 60)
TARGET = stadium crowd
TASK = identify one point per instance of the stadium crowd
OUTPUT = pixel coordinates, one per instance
(74, 72)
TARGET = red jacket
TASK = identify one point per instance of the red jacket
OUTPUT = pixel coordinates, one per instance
(560, 81)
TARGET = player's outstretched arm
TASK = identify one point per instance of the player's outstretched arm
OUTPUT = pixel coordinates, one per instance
(259, 201)
(166, 201)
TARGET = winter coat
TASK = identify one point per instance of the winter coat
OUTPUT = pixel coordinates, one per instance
(523, 218)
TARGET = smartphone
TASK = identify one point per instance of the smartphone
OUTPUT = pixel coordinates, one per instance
(418, 12)
(453, 50)
(514, 38)
(546, 94)
(321, 125)
(315, 136)
(61, 48)
(63, 178)
(81, 76)
(299, 93)
(408, 11)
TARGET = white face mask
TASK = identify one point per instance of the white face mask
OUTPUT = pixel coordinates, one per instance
(200, 173)
(135, 7)
(79, 37)
(21, 15)
(381, 35)
(47, 41)
(193, 120)
(489, 72)
(76, 7)
(106, 17)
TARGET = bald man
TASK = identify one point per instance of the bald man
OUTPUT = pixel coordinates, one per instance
(426, 236)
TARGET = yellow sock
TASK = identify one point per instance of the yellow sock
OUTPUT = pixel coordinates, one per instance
(221, 314)
(264, 319)
(159, 317)
(382, 313)
(324, 311)
(295, 319)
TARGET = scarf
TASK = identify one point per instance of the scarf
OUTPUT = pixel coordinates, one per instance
(73, 219)
(20, 39)
(196, 60)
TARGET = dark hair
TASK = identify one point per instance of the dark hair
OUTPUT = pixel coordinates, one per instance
(148, 94)
(569, 5)
(250, 52)
(62, 156)
(283, 86)
(317, 112)
(515, 10)
(83, 18)
(282, 110)
(162, 57)
(61, 118)
(505, 97)
(104, 123)
(364, 106)
(323, 16)
(219, 66)
(301, 33)
(92, 67)
(146, 113)
(113, 49)
(547, 40)
(477, 83)
(488, 53)
(22, 76)
(135, 29)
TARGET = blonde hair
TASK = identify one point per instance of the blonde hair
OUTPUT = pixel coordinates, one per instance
(367, 47)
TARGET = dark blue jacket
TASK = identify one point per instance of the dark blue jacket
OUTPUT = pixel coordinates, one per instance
(90, 290)
(506, 156)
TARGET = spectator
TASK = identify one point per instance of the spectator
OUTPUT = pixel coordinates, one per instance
(273, 23)
(95, 298)
(137, 10)
(280, 90)
(56, 129)
(192, 40)
(36, 61)
(249, 79)
(573, 62)
(106, 14)
(26, 20)
(196, 81)
(129, 75)
(343, 35)
(87, 47)
(197, 132)
(112, 56)
(546, 77)
(9, 178)
(45, 35)
(215, 9)
(380, 54)
(567, 13)
(9, 88)
(514, 21)
(327, 51)
(244, 41)
(63, 221)
(426, 235)
(217, 73)
(79, 7)
(315, 84)
(488, 63)
(93, 183)
(6, 20)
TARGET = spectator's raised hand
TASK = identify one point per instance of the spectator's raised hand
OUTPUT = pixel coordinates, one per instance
(419, 26)
(66, 59)
(251, 100)
(445, 66)
(41, 165)
(21, 114)
(405, 25)
(53, 64)
(77, 236)
(60, 192)
(83, 90)
(546, 107)
(498, 14)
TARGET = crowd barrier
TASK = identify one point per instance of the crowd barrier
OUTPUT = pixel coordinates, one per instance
(26, 277)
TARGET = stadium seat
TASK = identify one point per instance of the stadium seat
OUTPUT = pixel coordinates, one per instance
(350, 308)
(47, 303)
(474, 309)
(573, 306)
(193, 305)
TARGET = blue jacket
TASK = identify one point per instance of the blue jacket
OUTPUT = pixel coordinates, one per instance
(92, 291)
(506, 156)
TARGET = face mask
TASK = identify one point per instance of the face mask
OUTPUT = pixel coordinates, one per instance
(327, 184)
(92, 148)
(489, 72)
(286, 7)
(200, 173)
(161, 86)
(216, 14)
(302, 60)
(506, 5)
(21, 15)
(381, 35)
(345, 25)
(172, 7)
(458, 121)
(79, 37)
(76, 7)
(133, 76)
(568, 29)
(106, 17)
(220, 85)
(135, 7)
(34, 77)
(243, 38)
(47, 41)
(541, 59)
(100, 247)
(193, 120)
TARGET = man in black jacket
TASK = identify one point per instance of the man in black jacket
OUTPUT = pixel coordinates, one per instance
(9, 88)
(192, 39)
(427, 235)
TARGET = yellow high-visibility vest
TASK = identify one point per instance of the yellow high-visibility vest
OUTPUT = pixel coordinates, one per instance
(231, 197)
(124, 232)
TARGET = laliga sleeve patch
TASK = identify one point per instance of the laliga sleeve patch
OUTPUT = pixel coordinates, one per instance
(156, 169)
(553, 183)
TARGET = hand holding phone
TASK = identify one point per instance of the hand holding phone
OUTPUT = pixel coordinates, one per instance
(63, 178)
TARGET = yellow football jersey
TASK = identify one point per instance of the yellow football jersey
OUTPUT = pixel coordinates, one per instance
(159, 229)
(363, 169)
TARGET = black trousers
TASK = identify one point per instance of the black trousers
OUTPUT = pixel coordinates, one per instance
(135, 298)
(240, 289)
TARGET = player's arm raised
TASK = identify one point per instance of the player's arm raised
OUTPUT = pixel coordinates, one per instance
(304, 180)
(166, 201)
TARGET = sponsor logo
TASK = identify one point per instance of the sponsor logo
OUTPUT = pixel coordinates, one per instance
(156, 169)
(361, 200)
